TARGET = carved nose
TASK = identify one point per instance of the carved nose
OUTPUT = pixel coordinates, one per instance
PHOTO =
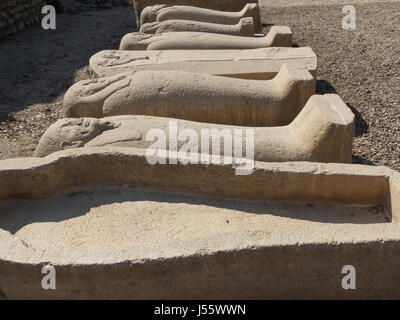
(107, 125)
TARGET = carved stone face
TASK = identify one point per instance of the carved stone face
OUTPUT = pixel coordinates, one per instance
(87, 97)
(82, 130)
(150, 27)
(71, 133)
(149, 13)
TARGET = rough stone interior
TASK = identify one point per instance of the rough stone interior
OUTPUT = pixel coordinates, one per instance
(120, 217)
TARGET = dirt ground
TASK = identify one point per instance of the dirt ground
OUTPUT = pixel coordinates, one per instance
(362, 66)
(38, 66)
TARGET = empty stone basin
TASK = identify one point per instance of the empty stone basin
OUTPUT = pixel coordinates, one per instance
(114, 226)
(117, 218)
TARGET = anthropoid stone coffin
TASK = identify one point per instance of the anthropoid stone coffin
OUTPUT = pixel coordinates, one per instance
(244, 27)
(253, 64)
(277, 37)
(322, 132)
(162, 12)
(222, 5)
(102, 216)
(194, 96)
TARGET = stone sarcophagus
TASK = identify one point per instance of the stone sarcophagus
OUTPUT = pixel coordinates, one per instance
(278, 36)
(101, 216)
(244, 27)
(194, 96)
(322, 132)
(254, 64)
(163, 12)
(222, 5)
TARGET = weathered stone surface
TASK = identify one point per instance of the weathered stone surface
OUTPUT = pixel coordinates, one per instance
(168, 239)
(245, 27)
(222, 5)
(253, 64)
(322, 132)
(162, 12)
(277, 37)
(194, 96)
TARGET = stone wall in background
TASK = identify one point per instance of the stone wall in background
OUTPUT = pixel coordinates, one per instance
(16, 15)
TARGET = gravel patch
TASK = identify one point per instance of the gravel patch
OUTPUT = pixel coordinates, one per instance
(38, 66)
(362, 66)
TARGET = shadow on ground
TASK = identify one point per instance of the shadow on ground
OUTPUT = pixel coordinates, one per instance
(39, 65)
(324, 87)
(266, 25)
(361, 160)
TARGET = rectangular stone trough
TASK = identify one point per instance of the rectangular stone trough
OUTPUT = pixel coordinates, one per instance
(257, 64)
(114, 226)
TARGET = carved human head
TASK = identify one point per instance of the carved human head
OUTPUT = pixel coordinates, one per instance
(70, 133)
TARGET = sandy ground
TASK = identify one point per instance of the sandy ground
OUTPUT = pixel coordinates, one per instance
(121, 217)
(265, 4)
(362, 65)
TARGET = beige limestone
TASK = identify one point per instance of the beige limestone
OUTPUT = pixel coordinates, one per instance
(255, 64)
(278, 36)
(221, 5)
(162, 12)
(322, 132)
(194, 96)
(171, 226)
(244, 27)
(134, 217)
